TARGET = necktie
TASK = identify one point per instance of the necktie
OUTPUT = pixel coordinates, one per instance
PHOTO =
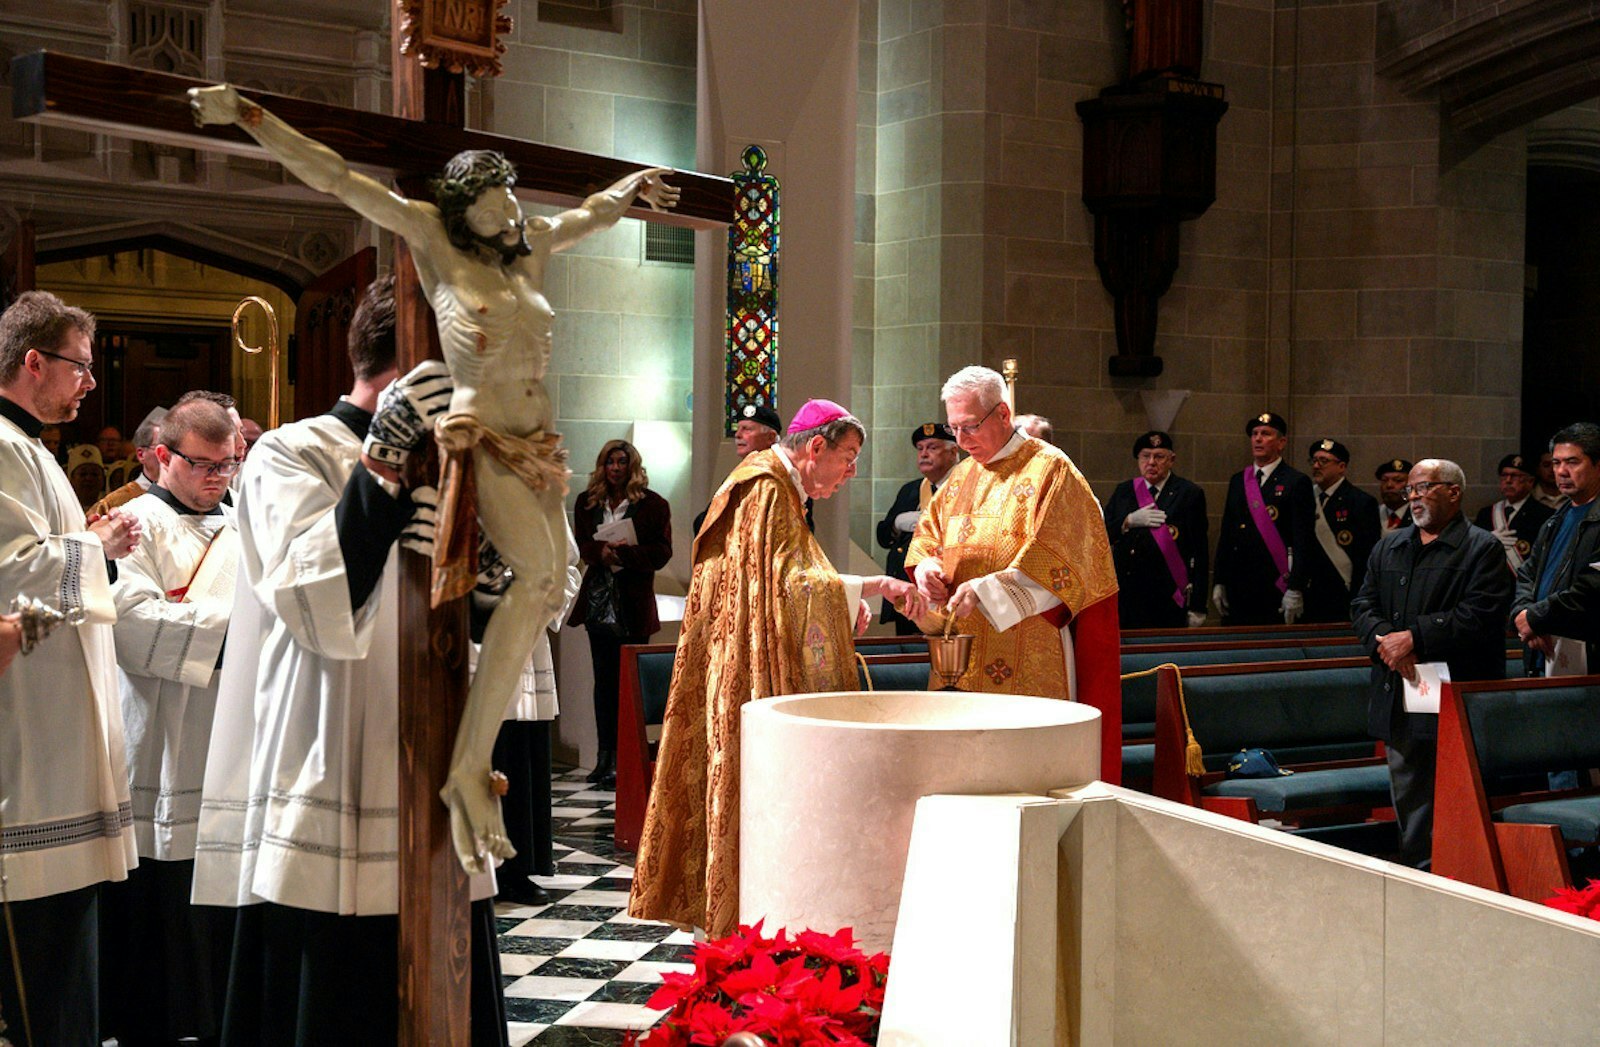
(1322, 498)
(1261, 478)
(1394, 518)
(1510, 512)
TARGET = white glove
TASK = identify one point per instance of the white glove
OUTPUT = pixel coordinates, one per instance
(406, 410)
(1508, 538)
(494, 574)
(1294, 605)
(1146, 516)
(1196, 619)
(418, 534)
(1219, 596)
(907, 521)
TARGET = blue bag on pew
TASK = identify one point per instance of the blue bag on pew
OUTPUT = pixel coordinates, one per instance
(1254, 763)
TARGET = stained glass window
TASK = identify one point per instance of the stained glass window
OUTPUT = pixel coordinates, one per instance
(752, 289)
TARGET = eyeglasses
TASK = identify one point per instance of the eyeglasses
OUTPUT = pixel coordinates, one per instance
(1417, 490)
(84, 369)
(969, 430)
(1324, 459)
(226, 467)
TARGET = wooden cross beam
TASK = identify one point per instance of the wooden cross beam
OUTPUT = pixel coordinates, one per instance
(58, 90)
(62, 91)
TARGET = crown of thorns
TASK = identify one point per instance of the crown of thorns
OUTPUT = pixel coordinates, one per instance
(469, 174)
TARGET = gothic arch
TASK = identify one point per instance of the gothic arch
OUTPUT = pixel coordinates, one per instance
(196, 243)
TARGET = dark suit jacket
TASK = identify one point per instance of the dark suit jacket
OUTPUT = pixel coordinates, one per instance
(1572, 607)
(652, 522)
(897, 542)
(1453, 594)
(1145, 585)
(1243, 563)
(1352, 514)
(1526, 523)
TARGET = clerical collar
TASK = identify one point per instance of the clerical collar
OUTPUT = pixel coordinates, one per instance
(1009, 448)
(183, 510)
(142, 480)
(356, 419)
(21, 417)
(794, 474)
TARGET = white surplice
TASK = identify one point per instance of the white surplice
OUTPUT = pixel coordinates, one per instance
(536, 696)
(63, 781)
(301, 798)
(167, 655)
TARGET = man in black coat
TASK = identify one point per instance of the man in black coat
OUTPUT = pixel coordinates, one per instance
(1516, 518)
(1252, 569)
(1344, 528)
(1434, 591)
(1141, 511)
(1558, 591)
(937, 454)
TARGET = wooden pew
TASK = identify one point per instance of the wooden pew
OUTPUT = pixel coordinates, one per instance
(1312, 714)
(1225, 633)
(1514, 843)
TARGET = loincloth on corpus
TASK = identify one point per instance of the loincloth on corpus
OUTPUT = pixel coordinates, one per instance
(537, 459)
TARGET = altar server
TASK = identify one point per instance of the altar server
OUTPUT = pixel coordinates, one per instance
(173, 595)
(63, 781)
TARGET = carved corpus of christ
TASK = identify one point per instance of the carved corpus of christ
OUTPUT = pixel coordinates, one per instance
(481, 262)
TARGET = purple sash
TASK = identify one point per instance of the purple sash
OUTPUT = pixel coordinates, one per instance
(1266, 527)
(1166, 543)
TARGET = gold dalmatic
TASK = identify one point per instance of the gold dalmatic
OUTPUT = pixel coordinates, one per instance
(765, 616)
(1031, 512)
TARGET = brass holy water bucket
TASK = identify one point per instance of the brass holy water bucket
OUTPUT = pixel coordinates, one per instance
(949, 655)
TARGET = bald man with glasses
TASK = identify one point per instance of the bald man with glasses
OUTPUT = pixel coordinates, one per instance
(1436, 590)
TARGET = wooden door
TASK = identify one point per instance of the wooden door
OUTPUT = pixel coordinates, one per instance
(320, 367)
(16, 265)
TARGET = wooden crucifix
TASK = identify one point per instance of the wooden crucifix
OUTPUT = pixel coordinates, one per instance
(427, 130)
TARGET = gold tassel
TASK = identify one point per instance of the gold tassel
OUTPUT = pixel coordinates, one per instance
(1193, 762)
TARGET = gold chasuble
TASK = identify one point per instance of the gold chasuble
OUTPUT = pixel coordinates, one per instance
(765, 616)
(1031, 515)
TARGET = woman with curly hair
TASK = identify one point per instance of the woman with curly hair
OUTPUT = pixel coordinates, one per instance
(617, 601)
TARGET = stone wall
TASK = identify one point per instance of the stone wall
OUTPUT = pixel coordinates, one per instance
(1358, 272)
(624, 328)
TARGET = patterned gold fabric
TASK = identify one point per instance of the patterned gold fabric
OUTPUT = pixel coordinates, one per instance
(1031, 511)
(765, 615)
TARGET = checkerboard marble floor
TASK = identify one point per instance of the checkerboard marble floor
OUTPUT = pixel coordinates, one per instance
(579, 970)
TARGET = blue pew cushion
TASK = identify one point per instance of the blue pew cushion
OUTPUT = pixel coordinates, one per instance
(1578, 817)
(1138, 762)
(1367, 786)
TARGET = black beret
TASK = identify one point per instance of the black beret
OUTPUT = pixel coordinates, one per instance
(1154, 439)
(931, 431)
(763, 414)
(1333, 447)
(1393, 465)
(1267, 418)
(1517, 462)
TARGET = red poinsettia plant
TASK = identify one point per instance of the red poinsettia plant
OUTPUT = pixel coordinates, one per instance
(1584, 901)
(791, 992)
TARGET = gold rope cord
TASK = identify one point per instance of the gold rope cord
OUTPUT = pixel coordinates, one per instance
(1192, 764)
(865, 672)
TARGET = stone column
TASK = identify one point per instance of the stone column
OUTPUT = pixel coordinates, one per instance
(781, 75)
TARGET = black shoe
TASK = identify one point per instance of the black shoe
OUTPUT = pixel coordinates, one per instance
(608, 783)
(523, 892)
(605, 766)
